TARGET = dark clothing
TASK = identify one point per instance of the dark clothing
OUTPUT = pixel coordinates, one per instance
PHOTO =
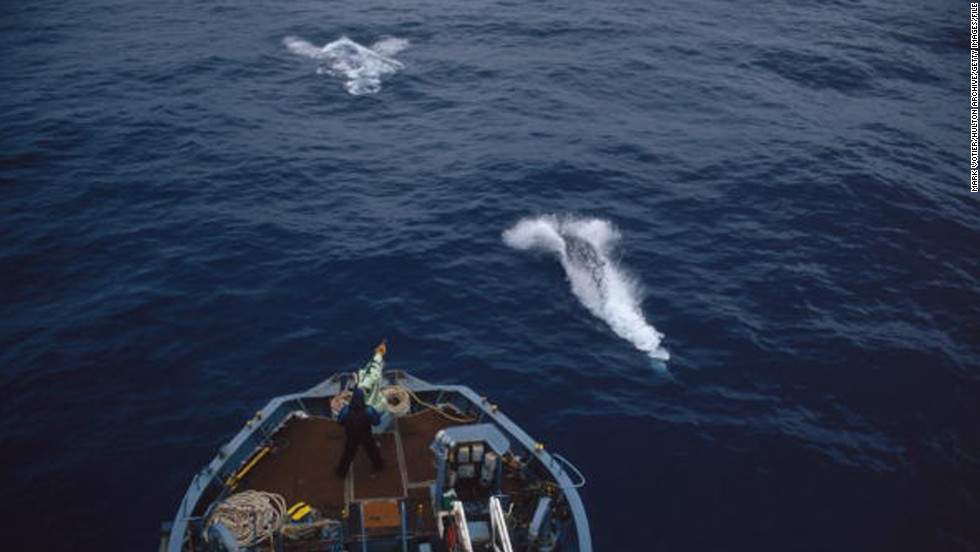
(357, 420)
(371, 412)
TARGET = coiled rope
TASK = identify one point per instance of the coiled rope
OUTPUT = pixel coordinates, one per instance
(398, 400)
(250, 516)
(404, 392)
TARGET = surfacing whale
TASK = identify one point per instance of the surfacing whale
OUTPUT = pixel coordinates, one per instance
(361, 68)
(582, 246)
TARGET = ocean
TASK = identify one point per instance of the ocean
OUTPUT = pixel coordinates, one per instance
(722, 256)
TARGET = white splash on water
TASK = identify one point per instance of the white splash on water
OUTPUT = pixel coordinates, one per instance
(361, 68)
(582, 246)
(389, 46)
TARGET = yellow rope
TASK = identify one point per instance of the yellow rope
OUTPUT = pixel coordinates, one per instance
(438, 410)
(338, 400)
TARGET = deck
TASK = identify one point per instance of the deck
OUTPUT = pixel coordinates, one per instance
(300, 466)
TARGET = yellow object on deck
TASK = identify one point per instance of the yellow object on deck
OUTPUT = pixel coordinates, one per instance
(232, 481)
(299, 511)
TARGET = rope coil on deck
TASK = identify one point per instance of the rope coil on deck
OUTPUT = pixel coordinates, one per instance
(250, 516)
(398, 400)
(402, 391)
(398, 403)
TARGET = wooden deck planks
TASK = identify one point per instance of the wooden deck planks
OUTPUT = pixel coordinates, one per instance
(306, 450)
(417, 432)
(300, 467)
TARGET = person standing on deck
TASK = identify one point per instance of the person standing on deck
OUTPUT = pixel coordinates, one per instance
(357, 419)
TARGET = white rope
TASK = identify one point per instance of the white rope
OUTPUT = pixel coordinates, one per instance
(397, 399)
(250, 516)
(401, 389)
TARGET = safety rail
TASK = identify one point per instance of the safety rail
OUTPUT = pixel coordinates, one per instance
(499, 533)
(457, 534)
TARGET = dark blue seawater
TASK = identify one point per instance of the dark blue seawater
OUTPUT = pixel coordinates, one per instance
(193, 220)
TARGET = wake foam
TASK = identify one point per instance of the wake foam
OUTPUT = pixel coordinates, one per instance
(360, 68)
(582, 246)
